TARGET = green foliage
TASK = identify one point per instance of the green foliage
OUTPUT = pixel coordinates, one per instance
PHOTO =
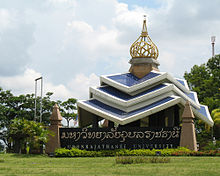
(18, 134)
(23, 106)
(74, 152)
(159, 160)
(67, 109)
(205, 80)
(124, 160)
(2, 147)
(203, 135)
(139, 152)
(211, 146)
(62, 152)
(148, 152)
(24, 133)
(130, 160)
(123, 153)
(216, 116)
(20, 107)
(140, 159)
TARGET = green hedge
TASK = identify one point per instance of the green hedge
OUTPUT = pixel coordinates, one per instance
(74, 152)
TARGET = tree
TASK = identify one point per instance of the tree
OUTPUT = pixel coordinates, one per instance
(22, 107)
(25, 133)
(47, 107)
(205, 80)
(18, 134)
(216, 118)
(67, 109)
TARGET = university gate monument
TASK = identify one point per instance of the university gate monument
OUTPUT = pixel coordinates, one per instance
(142, 109)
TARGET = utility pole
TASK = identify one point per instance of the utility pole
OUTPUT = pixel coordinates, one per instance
(35, 109)
(213, 45)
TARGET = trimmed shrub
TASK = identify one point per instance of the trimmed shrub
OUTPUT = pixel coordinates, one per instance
(142, 152)
(136, 160)
(62, 152)
(74, 152)
(123, 152)
(124, 160)
(159, 160)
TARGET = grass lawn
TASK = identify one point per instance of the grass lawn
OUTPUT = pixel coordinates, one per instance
(11, 164)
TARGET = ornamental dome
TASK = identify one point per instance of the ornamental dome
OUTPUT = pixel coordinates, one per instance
(143, 47)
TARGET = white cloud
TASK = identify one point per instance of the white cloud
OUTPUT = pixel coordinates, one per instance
(16, 37)
(60, 92)
(20, 84)
(58, 1)
(25, 84)
(69, 42)
(4, 19)
(80, 26)
(169, 60)
(80, 84)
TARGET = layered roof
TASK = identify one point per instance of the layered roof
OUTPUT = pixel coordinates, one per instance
(124, 98)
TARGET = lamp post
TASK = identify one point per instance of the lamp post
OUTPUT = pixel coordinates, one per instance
(213, 45)
(35, 109)
(213, 55)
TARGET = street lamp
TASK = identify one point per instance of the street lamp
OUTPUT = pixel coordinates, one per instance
(213, 45)
(35, 109)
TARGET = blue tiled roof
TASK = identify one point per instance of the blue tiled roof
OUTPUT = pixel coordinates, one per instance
(203, 111)
(122, 114)
(129, 79)
(117, 93)
(191, 95)
(182, 82)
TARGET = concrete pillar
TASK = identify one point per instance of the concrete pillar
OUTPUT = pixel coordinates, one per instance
(188, 135)
(55, 123)
(140, 67)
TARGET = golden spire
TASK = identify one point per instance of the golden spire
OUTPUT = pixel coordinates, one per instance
(143, 47)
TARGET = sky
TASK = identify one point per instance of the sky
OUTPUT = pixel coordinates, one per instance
(70, 43)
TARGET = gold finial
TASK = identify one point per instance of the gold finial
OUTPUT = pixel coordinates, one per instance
(144, 29)
(143, 47)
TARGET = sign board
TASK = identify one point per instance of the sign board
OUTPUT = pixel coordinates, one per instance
(120, 138)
